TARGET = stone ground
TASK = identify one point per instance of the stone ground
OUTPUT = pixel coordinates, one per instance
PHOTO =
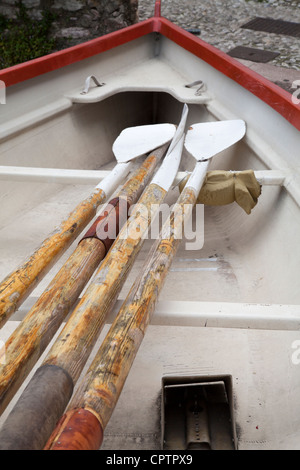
(220, 24)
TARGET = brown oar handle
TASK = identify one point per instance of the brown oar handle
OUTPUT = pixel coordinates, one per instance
(16, 287)
(77, 430)
(107, 225)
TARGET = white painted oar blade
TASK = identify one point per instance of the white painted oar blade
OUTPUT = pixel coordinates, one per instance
(204, 140)
(136, 141)
(169, 168)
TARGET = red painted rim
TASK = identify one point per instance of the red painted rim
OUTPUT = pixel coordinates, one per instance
(71, 55)
(273, 95)
(279, 99)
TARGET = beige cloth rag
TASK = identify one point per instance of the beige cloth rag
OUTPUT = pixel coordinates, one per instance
(224, 187)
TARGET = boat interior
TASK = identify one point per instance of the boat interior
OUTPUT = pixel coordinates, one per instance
(230, 303)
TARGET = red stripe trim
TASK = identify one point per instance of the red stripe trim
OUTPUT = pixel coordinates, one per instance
(56, 60)
(273, 95)
(157, 9)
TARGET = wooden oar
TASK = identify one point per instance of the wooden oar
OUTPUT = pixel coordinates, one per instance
(32, 420)
(34, 333)
(89, 411)
(16, 287)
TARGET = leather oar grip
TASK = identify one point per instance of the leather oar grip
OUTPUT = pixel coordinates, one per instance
(106, 226)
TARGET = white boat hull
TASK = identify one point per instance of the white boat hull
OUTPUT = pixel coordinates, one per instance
(230, 306)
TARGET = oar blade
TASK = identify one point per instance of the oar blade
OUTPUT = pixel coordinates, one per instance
(136, 141)
(204, 140)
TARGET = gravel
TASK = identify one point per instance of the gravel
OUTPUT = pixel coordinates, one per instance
(220, 24)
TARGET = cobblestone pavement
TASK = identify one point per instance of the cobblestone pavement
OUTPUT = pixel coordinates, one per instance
(220, 24)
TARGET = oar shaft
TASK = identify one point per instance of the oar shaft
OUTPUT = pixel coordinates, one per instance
(16, 287)
(45, 317)
(100, 388)
(74, 344)
(33, 334)
(43, 320)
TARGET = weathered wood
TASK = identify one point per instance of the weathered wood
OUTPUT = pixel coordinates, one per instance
(29, 340)
(16, 287)
(34, 333)
(31, 337)
(75, 342)
(101, 387)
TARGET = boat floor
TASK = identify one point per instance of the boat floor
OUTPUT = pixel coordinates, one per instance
(219, 264)
(265, 381)
(214, 265)
(228, 308)
(266, 388)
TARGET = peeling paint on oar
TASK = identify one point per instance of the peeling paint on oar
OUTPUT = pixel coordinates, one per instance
(74, 344)
(34, 333)
(98, 393)
(100, 389)
(16, 287)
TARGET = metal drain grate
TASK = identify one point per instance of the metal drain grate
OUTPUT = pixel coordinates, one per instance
(268, 25)
(255, 55)
(197, 413)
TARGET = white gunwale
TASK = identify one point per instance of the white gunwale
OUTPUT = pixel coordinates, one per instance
(77, 176)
